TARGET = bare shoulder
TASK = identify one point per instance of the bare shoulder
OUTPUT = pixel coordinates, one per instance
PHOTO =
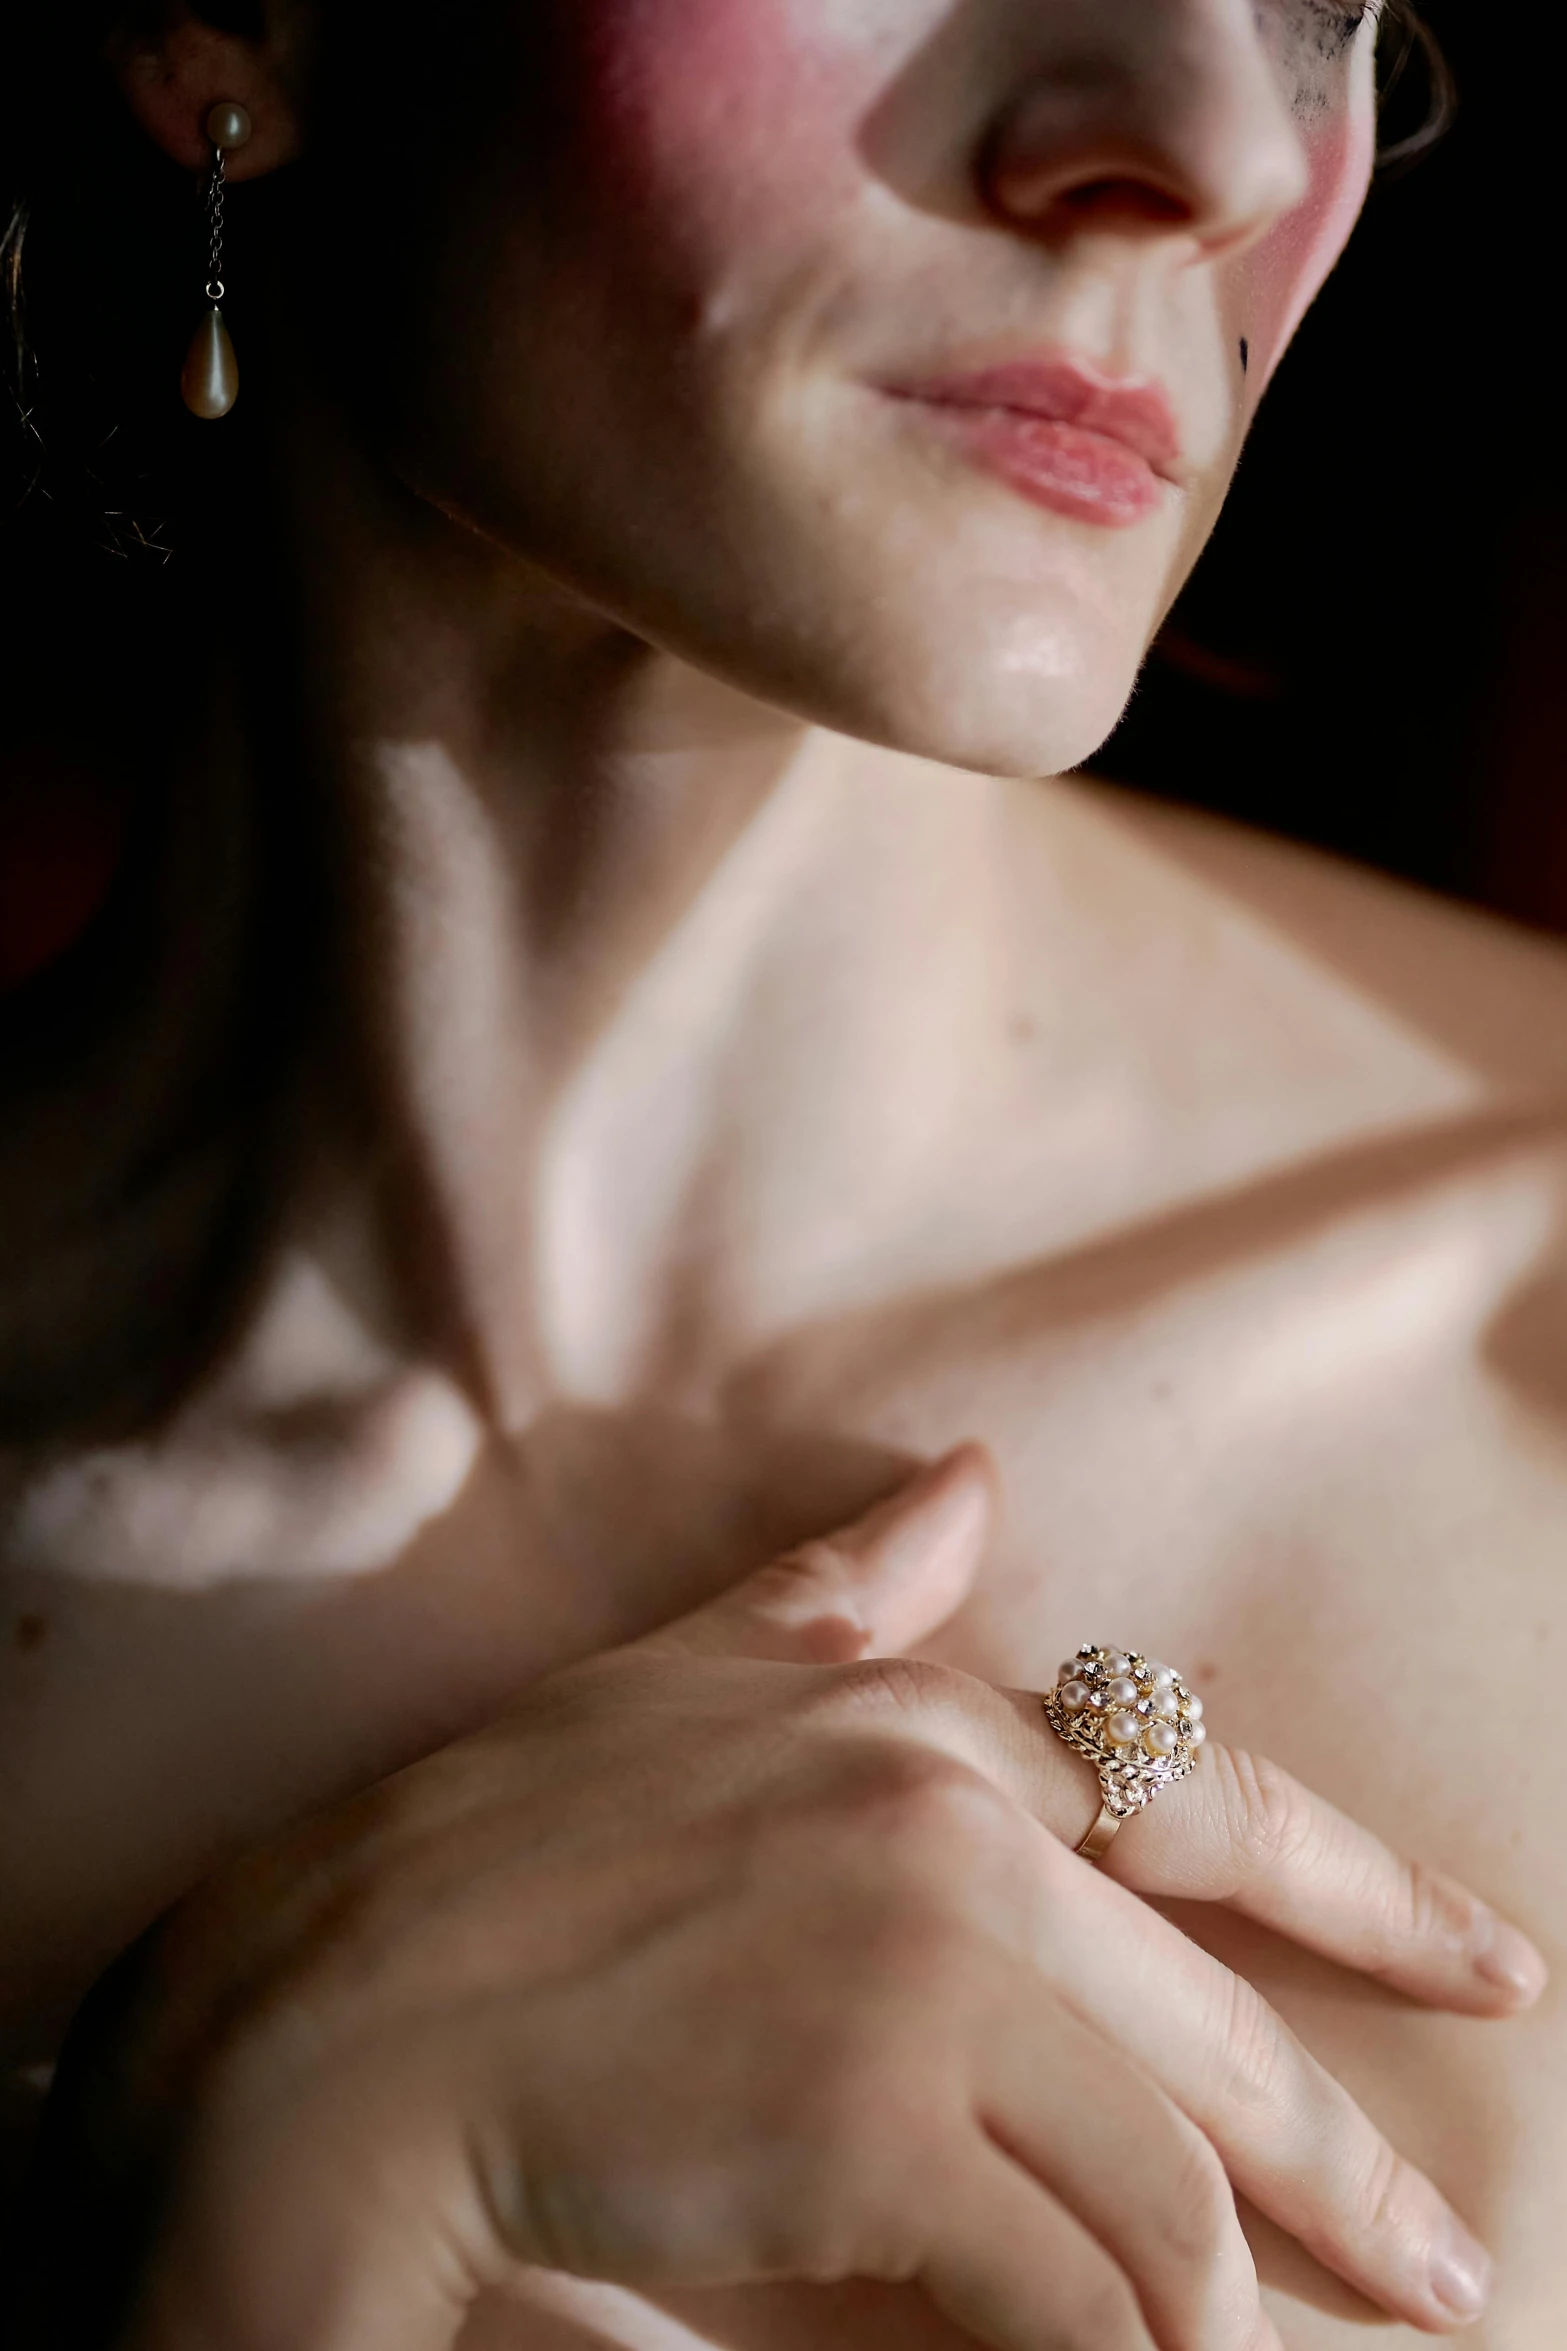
(1184, 1011)
(1486, 994)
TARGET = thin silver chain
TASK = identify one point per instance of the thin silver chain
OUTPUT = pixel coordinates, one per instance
(215, 228)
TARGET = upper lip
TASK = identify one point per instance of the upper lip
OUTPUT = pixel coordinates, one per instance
(1134, 410)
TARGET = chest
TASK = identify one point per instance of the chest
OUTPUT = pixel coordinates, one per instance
(1295, 1471)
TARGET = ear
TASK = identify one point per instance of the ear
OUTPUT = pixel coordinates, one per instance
(172, 84)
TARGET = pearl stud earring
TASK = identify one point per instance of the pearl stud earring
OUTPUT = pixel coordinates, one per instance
(209, 382)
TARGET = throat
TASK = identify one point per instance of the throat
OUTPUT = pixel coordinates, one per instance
(523, 899)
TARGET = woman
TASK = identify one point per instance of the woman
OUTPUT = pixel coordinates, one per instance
(710, 457)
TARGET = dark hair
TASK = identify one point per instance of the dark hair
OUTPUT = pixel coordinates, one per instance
(1409, 47)
(152, 1062)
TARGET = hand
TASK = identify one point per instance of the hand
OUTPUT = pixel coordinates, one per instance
(738, 1954)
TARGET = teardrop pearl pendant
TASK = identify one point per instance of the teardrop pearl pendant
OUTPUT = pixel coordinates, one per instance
(209, 380)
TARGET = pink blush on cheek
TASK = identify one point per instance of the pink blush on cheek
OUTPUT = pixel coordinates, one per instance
(1283, 275)
(704, 105)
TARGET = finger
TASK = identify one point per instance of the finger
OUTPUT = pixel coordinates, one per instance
(1290, 2137)
(1243, 1832)
(876, 1587)
(1017, 2272)
(1240, 1830)
(1118, 2155)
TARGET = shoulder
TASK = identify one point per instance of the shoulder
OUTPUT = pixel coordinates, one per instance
(1370, 1082)
(1426, 976)
(1259, 1005)
(1164, 1017)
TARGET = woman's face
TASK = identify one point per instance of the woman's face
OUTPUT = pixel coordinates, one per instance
(885, 356)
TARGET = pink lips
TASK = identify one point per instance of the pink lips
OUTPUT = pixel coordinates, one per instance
(1097, 448)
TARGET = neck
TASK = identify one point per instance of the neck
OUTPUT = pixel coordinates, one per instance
(531, 803)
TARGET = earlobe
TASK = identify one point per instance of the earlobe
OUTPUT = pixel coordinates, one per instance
(171, 87)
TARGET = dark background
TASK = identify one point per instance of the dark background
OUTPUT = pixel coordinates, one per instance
(1371, 654)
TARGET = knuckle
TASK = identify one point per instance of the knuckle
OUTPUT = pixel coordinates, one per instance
(1429, 1908)
(815, 1569)
(1387, 2199)
(820, 1560)
(1271, 1816)
(927, 1812)
(1203, 2250)
(1199, 2205)
(897, 1686)
(809, 1593)
(1254, 2046)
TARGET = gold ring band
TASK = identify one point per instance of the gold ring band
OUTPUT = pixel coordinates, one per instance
(1135, 1720)
(1098, 1837)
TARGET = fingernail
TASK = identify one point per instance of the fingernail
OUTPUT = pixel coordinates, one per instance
(1510, 1961)
(1461, 2273)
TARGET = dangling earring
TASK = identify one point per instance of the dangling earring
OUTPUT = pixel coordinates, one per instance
(209, 383)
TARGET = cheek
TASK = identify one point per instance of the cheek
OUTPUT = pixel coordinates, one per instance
(708, 118)
(1283, 275)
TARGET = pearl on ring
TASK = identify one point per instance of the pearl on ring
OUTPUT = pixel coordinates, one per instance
(1134, 1720)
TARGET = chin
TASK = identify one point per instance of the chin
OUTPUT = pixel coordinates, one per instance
(965, 630)
(1029, 693)
(1004, 733)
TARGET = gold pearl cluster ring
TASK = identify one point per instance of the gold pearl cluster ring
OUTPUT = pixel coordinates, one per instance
(1134, 1719)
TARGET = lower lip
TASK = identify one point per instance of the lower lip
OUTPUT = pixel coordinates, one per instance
(1085, 476)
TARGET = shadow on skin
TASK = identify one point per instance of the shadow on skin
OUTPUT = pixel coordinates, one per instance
(1287, 2268)
(202, 1714)
(1135, 1266)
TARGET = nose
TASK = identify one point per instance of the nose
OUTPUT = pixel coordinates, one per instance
(1158, 118)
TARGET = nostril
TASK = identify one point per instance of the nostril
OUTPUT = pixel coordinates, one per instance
(1123, 199)
(1046, 197)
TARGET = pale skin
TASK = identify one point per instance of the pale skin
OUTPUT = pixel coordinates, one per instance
(783, 1087)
